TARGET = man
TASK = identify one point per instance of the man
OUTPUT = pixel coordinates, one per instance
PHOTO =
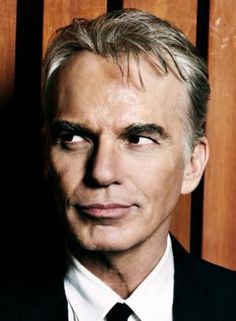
(125, 99)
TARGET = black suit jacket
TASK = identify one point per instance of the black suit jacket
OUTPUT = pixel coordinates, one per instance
(202, 292)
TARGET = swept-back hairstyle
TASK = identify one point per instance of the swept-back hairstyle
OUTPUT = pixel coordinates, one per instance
(129, 33)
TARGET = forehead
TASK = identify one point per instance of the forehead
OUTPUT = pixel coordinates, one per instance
(90, 85)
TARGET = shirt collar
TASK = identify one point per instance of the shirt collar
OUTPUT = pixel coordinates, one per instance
(88, 296)
(91, 299)
(153, 298)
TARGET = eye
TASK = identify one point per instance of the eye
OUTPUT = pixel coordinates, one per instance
(141, 140)
(72, 141)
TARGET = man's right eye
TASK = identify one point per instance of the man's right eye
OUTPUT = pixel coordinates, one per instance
(72, 139)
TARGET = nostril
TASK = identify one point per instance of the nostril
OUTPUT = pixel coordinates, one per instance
(96, 180)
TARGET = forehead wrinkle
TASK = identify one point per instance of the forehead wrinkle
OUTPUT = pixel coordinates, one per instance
(122, 96)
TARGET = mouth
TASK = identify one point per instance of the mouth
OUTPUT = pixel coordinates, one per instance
(104, 211)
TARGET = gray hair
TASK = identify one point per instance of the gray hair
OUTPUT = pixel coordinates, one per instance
(132, 32)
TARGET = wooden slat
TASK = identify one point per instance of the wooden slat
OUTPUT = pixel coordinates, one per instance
(7, 49)
(8, 160)
(219, 225)
(183, 13)
(58, 13)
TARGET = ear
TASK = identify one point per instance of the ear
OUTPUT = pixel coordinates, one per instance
(195, 167)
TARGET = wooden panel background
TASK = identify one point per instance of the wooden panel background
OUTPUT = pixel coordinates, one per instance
(219, 228)
(217, 234)
(7, 48)
(67, 9)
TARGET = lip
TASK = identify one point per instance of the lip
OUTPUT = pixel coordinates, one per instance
(109, 210)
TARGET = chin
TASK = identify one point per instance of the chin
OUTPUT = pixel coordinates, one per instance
(102, 238)
(103, 243)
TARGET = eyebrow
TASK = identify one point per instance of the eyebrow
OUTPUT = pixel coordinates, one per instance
(149, 128)
(59, 127)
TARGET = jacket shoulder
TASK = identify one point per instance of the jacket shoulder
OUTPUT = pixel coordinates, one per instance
(33, 301)
(203, 286)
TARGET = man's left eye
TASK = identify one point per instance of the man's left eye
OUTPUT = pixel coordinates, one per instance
(141, 140)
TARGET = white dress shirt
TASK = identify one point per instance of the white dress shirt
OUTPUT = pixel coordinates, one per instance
(89, 299)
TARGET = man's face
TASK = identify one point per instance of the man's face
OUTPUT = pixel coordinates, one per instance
(116, 152)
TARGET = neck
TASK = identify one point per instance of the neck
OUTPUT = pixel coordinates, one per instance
(122, 271)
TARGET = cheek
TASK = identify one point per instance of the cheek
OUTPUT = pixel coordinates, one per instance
(67, 171)
(159, 181)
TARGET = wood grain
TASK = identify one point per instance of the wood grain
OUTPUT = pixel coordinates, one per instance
(219, 224)
(183, 13)
(58, 13)
(7, 49)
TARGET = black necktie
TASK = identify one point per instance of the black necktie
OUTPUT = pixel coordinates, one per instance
(119, 312)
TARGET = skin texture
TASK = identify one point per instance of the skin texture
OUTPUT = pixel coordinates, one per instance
(116, 158)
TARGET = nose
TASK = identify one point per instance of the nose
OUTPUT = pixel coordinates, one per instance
(103, 165)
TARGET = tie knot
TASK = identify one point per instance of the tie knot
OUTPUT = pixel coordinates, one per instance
(119, 312)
